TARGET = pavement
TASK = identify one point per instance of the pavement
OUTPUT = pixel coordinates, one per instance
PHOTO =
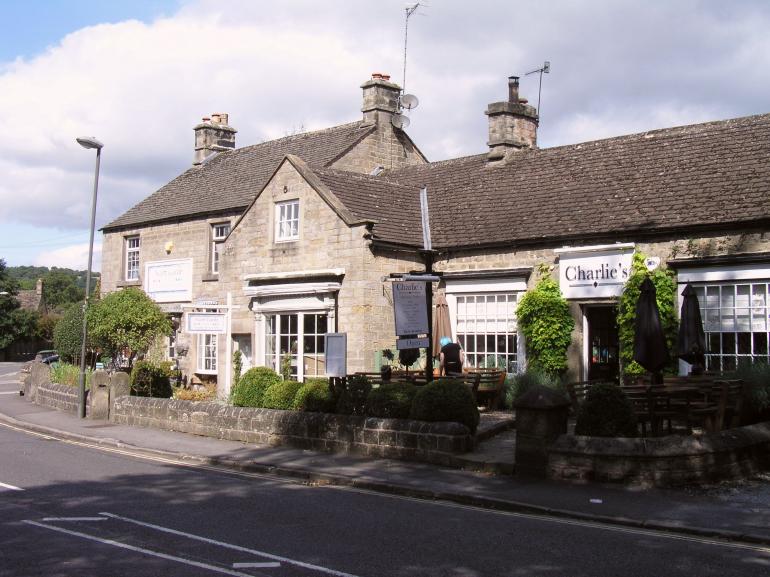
(738, 512)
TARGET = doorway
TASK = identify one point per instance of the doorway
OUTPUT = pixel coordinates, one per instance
(602, 342)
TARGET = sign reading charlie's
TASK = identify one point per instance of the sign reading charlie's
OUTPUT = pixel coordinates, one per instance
(594, 272)
(409, 308)
(168, 281)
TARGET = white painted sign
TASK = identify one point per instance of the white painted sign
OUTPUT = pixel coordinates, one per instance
(336, 353)
(596, 274)
(652, 262)
(168, 281)
(409, 308)
(421, 343)
(206, 323)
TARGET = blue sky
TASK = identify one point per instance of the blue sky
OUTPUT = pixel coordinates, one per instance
(140, 74)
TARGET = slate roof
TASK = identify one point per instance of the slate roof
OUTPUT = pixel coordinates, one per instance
(230, 180)
(706, 176)
(394, 208)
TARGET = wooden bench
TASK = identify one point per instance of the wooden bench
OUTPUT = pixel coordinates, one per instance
(490, 389)
(470, 380)
(577, 392)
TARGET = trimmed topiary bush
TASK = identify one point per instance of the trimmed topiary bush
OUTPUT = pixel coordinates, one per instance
(446, 400)
(352, 399)
(606, 412)
(252, 385)
(149, 380)
(391, 401)
(315, 397)
(281, 395)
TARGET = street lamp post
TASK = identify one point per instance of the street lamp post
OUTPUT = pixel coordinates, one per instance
(88, 142)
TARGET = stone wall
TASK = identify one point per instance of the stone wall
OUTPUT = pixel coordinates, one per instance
(388, 438)
(59, 397)
(663, 461)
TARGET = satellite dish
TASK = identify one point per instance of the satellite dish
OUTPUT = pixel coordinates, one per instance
(399, 121)
(409, 101)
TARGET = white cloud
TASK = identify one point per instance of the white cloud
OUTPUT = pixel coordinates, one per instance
(73, 256)
(617, 67)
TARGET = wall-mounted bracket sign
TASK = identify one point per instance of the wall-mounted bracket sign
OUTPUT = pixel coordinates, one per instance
(412, 343)
(595, 271)
(206, 323)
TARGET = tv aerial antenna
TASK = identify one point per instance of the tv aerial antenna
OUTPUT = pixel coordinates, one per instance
(545, 68)
(406, 101)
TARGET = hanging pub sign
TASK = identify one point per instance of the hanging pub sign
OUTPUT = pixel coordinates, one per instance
(594, 271)
(410, 309)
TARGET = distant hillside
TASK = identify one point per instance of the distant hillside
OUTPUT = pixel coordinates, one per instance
(28, 275)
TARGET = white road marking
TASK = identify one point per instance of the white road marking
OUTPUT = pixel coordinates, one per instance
(9, 392)
(74, 519)
(11, 487)
(230, 546)
(255, 565)
(139, 549)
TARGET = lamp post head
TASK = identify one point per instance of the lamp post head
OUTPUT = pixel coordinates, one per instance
(89, 142)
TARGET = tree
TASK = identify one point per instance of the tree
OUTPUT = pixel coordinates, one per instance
(68, 333)
(9, 307)
(60, 288)
(127, 322)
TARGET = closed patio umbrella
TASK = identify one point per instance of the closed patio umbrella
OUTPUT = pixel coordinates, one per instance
(691, 343)
(441, 325)
(650, 349)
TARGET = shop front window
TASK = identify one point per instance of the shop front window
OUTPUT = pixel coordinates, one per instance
(294, 343)
(487, 330)
(735, 319)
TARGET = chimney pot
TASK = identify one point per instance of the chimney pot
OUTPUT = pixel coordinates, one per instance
(513, 89)
(211, 137)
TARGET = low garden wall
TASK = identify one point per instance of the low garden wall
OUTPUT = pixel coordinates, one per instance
(389, 438)
(59, 397)
(662, 461)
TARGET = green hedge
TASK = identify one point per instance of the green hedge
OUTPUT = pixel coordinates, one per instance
(606, 412)
(314, 397)
(391, 401)
(446, 400)
(252, 385)
(149, 380)
(281, 395)
(352, 399)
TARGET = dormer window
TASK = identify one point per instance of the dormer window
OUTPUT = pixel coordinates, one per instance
(287, 221)
(219, 233)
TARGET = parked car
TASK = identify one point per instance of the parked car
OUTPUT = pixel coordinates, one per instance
(47, 357)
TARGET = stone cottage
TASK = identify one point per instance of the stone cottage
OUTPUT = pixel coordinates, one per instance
(267, 248)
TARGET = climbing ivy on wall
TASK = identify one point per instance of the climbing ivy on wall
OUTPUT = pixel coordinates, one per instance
(545, 321)
(665, 289)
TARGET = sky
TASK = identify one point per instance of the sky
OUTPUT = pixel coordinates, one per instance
(139, 74)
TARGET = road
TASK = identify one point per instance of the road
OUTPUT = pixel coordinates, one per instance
(69, 509)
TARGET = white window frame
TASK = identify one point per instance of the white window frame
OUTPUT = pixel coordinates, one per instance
(724, 320)
(515, 287)
(207, 354)
(287, 221)
(273, 358)
(219, 232)
(132, 256)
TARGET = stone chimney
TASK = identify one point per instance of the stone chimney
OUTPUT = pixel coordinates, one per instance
(512, 125)
(380, 99)
(213, 134)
